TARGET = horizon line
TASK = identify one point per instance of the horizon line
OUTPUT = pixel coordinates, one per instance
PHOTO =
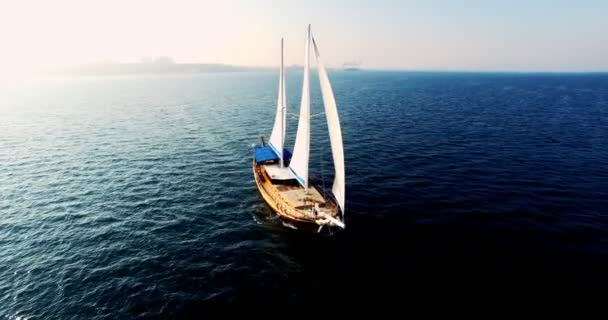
(244, 67)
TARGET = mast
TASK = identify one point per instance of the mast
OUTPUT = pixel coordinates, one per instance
(282, 104)
(301, 151)
(277, 137)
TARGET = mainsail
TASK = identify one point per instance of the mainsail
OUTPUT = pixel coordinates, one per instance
(299, 161)
(277, 137)
(335, 133)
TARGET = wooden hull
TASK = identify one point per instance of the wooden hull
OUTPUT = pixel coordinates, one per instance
(282, 208)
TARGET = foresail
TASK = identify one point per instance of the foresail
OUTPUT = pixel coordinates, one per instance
(299, 160)
(335, 132)
(277, 137)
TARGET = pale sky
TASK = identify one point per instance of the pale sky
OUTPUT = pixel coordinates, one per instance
(533, 35)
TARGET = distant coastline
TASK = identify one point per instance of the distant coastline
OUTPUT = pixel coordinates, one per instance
(160, 65)
(168, 68)
(146, 68)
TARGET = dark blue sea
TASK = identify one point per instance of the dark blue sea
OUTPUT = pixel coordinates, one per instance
(132, 197)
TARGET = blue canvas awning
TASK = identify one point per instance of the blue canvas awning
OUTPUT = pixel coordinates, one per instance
(265, 153)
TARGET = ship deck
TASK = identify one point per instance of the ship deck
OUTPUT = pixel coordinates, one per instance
(298, 197)
(289, 198)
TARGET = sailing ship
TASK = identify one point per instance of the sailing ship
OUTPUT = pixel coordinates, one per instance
(282, 177)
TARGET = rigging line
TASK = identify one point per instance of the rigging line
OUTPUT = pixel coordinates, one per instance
(322, 153)
(296, 116)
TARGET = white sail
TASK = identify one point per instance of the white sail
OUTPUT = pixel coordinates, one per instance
(299, 160)
(277, 137)
(335, 133)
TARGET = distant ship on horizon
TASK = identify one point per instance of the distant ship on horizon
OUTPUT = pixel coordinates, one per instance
(351, 66)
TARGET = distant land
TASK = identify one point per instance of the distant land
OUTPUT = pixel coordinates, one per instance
(156, 68)
(145, 68)
(162, 65)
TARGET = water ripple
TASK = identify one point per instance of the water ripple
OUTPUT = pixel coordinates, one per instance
(132, 197)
